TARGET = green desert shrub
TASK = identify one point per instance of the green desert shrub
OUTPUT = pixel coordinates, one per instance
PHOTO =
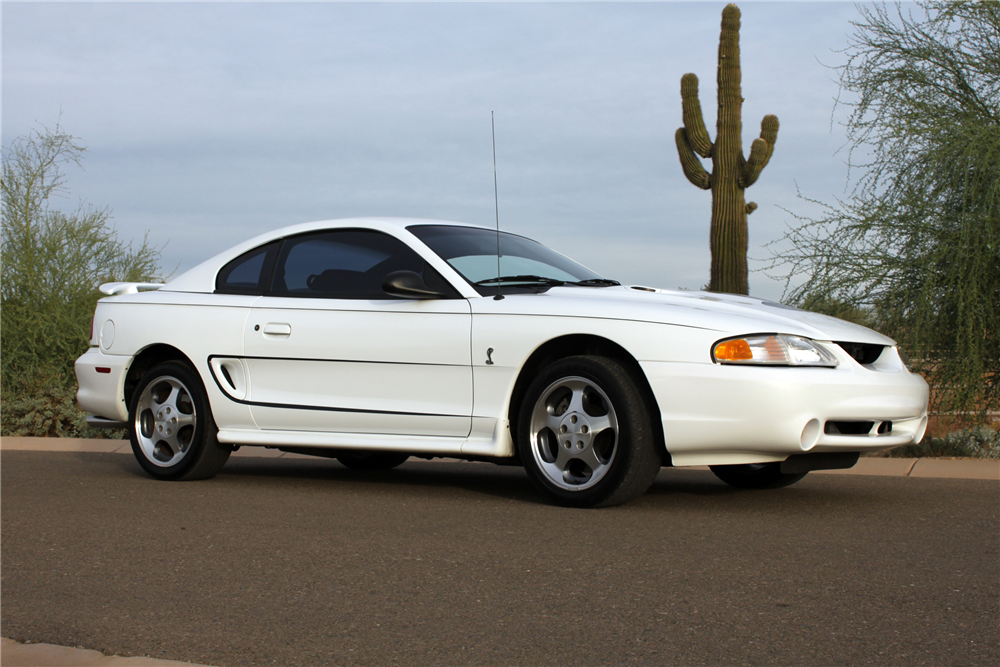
(52, 264)
(981, 442)
(916, 245)
(47, 408)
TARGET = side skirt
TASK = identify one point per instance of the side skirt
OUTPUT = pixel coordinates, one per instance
(397, 443)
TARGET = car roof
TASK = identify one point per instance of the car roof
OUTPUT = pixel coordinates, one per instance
(382, 223)
(201, 278)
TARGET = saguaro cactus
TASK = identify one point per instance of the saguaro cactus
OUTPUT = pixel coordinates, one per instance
(731, 172)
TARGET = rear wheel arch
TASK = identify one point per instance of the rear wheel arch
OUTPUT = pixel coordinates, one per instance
(586, 344)
(146, 359)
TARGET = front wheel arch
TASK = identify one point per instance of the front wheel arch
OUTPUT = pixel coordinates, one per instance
(587, 345)
(585, 436)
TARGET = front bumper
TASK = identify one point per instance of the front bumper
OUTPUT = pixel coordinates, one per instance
(714, 414)
(102, 384)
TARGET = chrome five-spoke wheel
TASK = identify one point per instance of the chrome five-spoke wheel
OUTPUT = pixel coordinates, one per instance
(574, 433)
(165, 421)
(584, 433)
(171, 427)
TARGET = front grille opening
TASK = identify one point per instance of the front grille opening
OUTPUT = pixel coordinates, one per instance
(857, 428)
(863, 353)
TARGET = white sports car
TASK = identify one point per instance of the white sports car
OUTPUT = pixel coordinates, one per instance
(373, 340)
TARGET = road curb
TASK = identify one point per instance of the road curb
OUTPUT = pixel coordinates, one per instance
(15, 654)
(882, 467)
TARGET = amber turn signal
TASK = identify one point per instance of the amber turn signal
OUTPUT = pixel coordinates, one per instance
(733, 350)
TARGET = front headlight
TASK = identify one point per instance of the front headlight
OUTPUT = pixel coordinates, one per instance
(772, 350)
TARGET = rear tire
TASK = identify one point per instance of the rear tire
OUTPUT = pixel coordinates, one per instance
(171, 428)
(585, 435)
(756, 475)
(361, 460)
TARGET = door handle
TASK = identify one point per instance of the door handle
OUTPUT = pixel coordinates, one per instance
(277, 329)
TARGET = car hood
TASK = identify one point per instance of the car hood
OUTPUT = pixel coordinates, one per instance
(726, 313)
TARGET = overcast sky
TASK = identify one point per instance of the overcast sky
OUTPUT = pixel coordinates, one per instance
(208, 123)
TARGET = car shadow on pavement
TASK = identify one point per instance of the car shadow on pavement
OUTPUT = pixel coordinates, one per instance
(446, 478)
(443, 483)
(508, 482)
(700, 490)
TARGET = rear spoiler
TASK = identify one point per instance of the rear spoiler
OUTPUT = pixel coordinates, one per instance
(114, 289)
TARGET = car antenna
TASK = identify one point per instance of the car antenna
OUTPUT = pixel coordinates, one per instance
(496, 199)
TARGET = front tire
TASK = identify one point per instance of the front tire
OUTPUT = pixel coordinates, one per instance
(585, 435)
(756, 475)
(171, 428)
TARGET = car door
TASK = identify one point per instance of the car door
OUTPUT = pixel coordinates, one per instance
(327, 350)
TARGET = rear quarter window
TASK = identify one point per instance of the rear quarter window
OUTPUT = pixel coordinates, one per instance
(249, 273)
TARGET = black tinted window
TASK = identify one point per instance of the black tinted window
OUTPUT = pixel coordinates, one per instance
(344, 264)
(249, 273)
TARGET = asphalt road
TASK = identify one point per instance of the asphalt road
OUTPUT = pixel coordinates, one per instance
(303, 562)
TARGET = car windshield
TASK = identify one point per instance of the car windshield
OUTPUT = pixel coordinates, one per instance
(524, 264)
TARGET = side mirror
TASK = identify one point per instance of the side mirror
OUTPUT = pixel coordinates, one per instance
(408, 285)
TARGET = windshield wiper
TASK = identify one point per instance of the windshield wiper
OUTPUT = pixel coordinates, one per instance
(551, 282)
(596, 282)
